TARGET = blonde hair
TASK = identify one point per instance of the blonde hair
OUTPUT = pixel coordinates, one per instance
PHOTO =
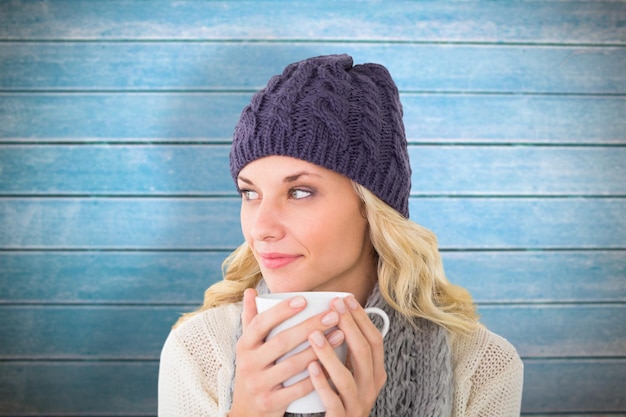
(410, 271)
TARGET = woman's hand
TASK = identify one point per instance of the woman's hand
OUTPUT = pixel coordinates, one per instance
(258, 389)
(358, 388)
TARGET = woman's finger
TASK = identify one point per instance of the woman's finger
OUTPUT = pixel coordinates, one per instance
(330, 399)
(365, 349)
(265, 353)
(256, 326)
(358, 345)
(341, 377)
(297, 363)
(371, 333)
(362, 319)
(249, 307)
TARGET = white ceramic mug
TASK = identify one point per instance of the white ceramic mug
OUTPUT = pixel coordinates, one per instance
(317, 303)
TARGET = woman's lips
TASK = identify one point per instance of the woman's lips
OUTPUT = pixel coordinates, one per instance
(277, 260)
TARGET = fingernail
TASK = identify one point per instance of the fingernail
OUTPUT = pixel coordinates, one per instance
(297, 302)
(340, 306)
(352, 302)
(318, 338)
(314, 369)
(336, 338)
(330, 319)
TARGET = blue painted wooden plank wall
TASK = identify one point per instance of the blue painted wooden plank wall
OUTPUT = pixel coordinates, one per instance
(116, 207)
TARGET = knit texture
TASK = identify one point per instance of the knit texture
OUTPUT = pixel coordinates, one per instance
(483, 376)
(328, 112)
(196, 371)
(419, 367)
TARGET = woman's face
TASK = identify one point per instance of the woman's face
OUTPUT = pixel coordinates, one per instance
(305, 227)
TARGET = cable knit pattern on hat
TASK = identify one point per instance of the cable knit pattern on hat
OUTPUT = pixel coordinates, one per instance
(328, 112)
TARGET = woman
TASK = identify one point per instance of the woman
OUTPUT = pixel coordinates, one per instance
(320, 160)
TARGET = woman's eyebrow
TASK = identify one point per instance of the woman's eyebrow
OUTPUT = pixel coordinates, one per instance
(296, 176)
(288, 179)
(243, 179)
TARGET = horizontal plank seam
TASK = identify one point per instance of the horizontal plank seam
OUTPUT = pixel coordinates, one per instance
(114, 250)
(11, 304)
(202, 196)
(289, 41)
(16, 303)
(620, 142)
(47, 251)
(152, 91)
(234, 197)
(562, 303)
(221, 143)
(226, 144)
(78, 414)
(508, 143)
(122, 142)
(535, 359)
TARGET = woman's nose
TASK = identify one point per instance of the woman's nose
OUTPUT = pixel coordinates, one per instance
(267, 222)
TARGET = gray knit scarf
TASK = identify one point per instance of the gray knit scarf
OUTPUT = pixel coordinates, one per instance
(418, 363)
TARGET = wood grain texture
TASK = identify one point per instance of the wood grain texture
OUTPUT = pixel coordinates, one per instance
(66, 388)
(148, 278)
(120, 117)
(596, 22)
(213, 223)
(117, 207)
(157, 278)
(203, 170)
(124, 223)
(218, 66)
(575, 330)
(540, 276)
(85, 332)
(106, 388)
(584, 386)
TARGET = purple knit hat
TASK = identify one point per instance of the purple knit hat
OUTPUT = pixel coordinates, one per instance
(328, 112)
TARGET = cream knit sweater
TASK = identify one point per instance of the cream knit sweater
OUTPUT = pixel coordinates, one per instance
(197, 360)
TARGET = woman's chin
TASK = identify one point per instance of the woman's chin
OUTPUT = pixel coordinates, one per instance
(276, 287)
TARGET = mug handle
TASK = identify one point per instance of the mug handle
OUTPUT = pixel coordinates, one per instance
(383, 315)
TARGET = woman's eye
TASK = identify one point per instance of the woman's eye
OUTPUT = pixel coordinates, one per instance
(297, 193)
(249, 195)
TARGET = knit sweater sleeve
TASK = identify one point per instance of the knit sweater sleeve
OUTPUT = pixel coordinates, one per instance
(196, 365)
(490, 376)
